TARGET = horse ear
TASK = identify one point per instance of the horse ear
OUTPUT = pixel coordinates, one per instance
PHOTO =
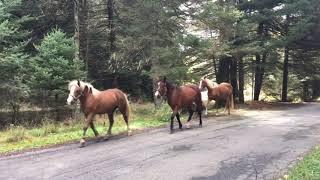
(79, 83)
(90, 90)
(86, 89)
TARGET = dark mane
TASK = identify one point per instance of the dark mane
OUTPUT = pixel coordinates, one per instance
(193, 86)
(170, 85)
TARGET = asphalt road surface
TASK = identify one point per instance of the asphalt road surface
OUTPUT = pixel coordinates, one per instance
(255, 145)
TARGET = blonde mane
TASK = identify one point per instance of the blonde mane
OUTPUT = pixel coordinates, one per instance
(210, 83)
(82, 86)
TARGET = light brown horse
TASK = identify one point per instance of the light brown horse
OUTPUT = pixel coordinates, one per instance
(179, 97)
(223, 91)
(95, 102)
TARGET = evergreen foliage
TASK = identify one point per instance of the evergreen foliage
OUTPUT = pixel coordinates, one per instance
(129, 43)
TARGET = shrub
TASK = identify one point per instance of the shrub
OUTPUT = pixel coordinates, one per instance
(16, 134)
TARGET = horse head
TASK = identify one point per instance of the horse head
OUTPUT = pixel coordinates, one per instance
(74, 92)
(161, 88)
(203, 83)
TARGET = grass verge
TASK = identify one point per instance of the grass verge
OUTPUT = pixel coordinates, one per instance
(308, 168)
(17, 138)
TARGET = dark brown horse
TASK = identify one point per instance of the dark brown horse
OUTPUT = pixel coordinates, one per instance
(179, 97)
(223, 91)
(95, 102)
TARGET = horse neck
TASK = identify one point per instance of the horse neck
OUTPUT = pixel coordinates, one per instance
(84, 100)
(94, 90)
(213, 92)
(170, 89)
(208, 86)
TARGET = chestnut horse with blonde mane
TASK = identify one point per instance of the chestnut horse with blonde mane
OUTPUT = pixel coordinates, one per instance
(179, 97)
(222, 91)
(94, 102)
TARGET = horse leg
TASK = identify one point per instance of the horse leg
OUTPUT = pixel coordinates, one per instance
(111, 120)
(96, 134)
(190, 116)
(178, 118)
(85, 127)
(171, 121)
(229, 104)
(94, 129)
(200, 118)
(217, 107)
(207, 104)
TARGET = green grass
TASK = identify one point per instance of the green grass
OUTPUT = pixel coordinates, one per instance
(308, 168)
(17, 138)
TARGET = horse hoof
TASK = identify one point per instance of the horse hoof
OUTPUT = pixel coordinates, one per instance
(82, 143)
(171, 132)
(99, 139)
(188, 126)
(129, 133)
(107, 137)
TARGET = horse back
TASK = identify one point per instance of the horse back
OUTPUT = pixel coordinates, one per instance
(110, 99)
(226, 88)
(190, 94)
(220, 92)
(227, 85)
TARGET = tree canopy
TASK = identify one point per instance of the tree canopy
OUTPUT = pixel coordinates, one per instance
(270, 46)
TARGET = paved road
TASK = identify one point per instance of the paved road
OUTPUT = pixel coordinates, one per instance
(259, 145)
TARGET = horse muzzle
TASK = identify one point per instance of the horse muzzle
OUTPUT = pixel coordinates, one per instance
(70, 100)
(157, 94)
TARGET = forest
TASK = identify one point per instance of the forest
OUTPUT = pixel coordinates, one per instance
(267, 49)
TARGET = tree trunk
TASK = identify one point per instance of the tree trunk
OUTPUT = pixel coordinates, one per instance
(81, 28)
(215, 69)
(257, 80)
(111, 19)
(224, 70)
(284, 97)
(241, 80)
(305, 96)
(76, 26)
(258, 69)
(284, 93)
(112, 34)
(15, 112)
(233, 78)
(260, 63)
(315, 89)
(56, 104)
(223, 75)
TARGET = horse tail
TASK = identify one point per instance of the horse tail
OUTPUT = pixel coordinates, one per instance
(128, 110)
(231, 101)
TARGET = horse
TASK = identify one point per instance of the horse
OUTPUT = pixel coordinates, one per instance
(93, 101)
(223, 91)
(205, 101)
(179, 97)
